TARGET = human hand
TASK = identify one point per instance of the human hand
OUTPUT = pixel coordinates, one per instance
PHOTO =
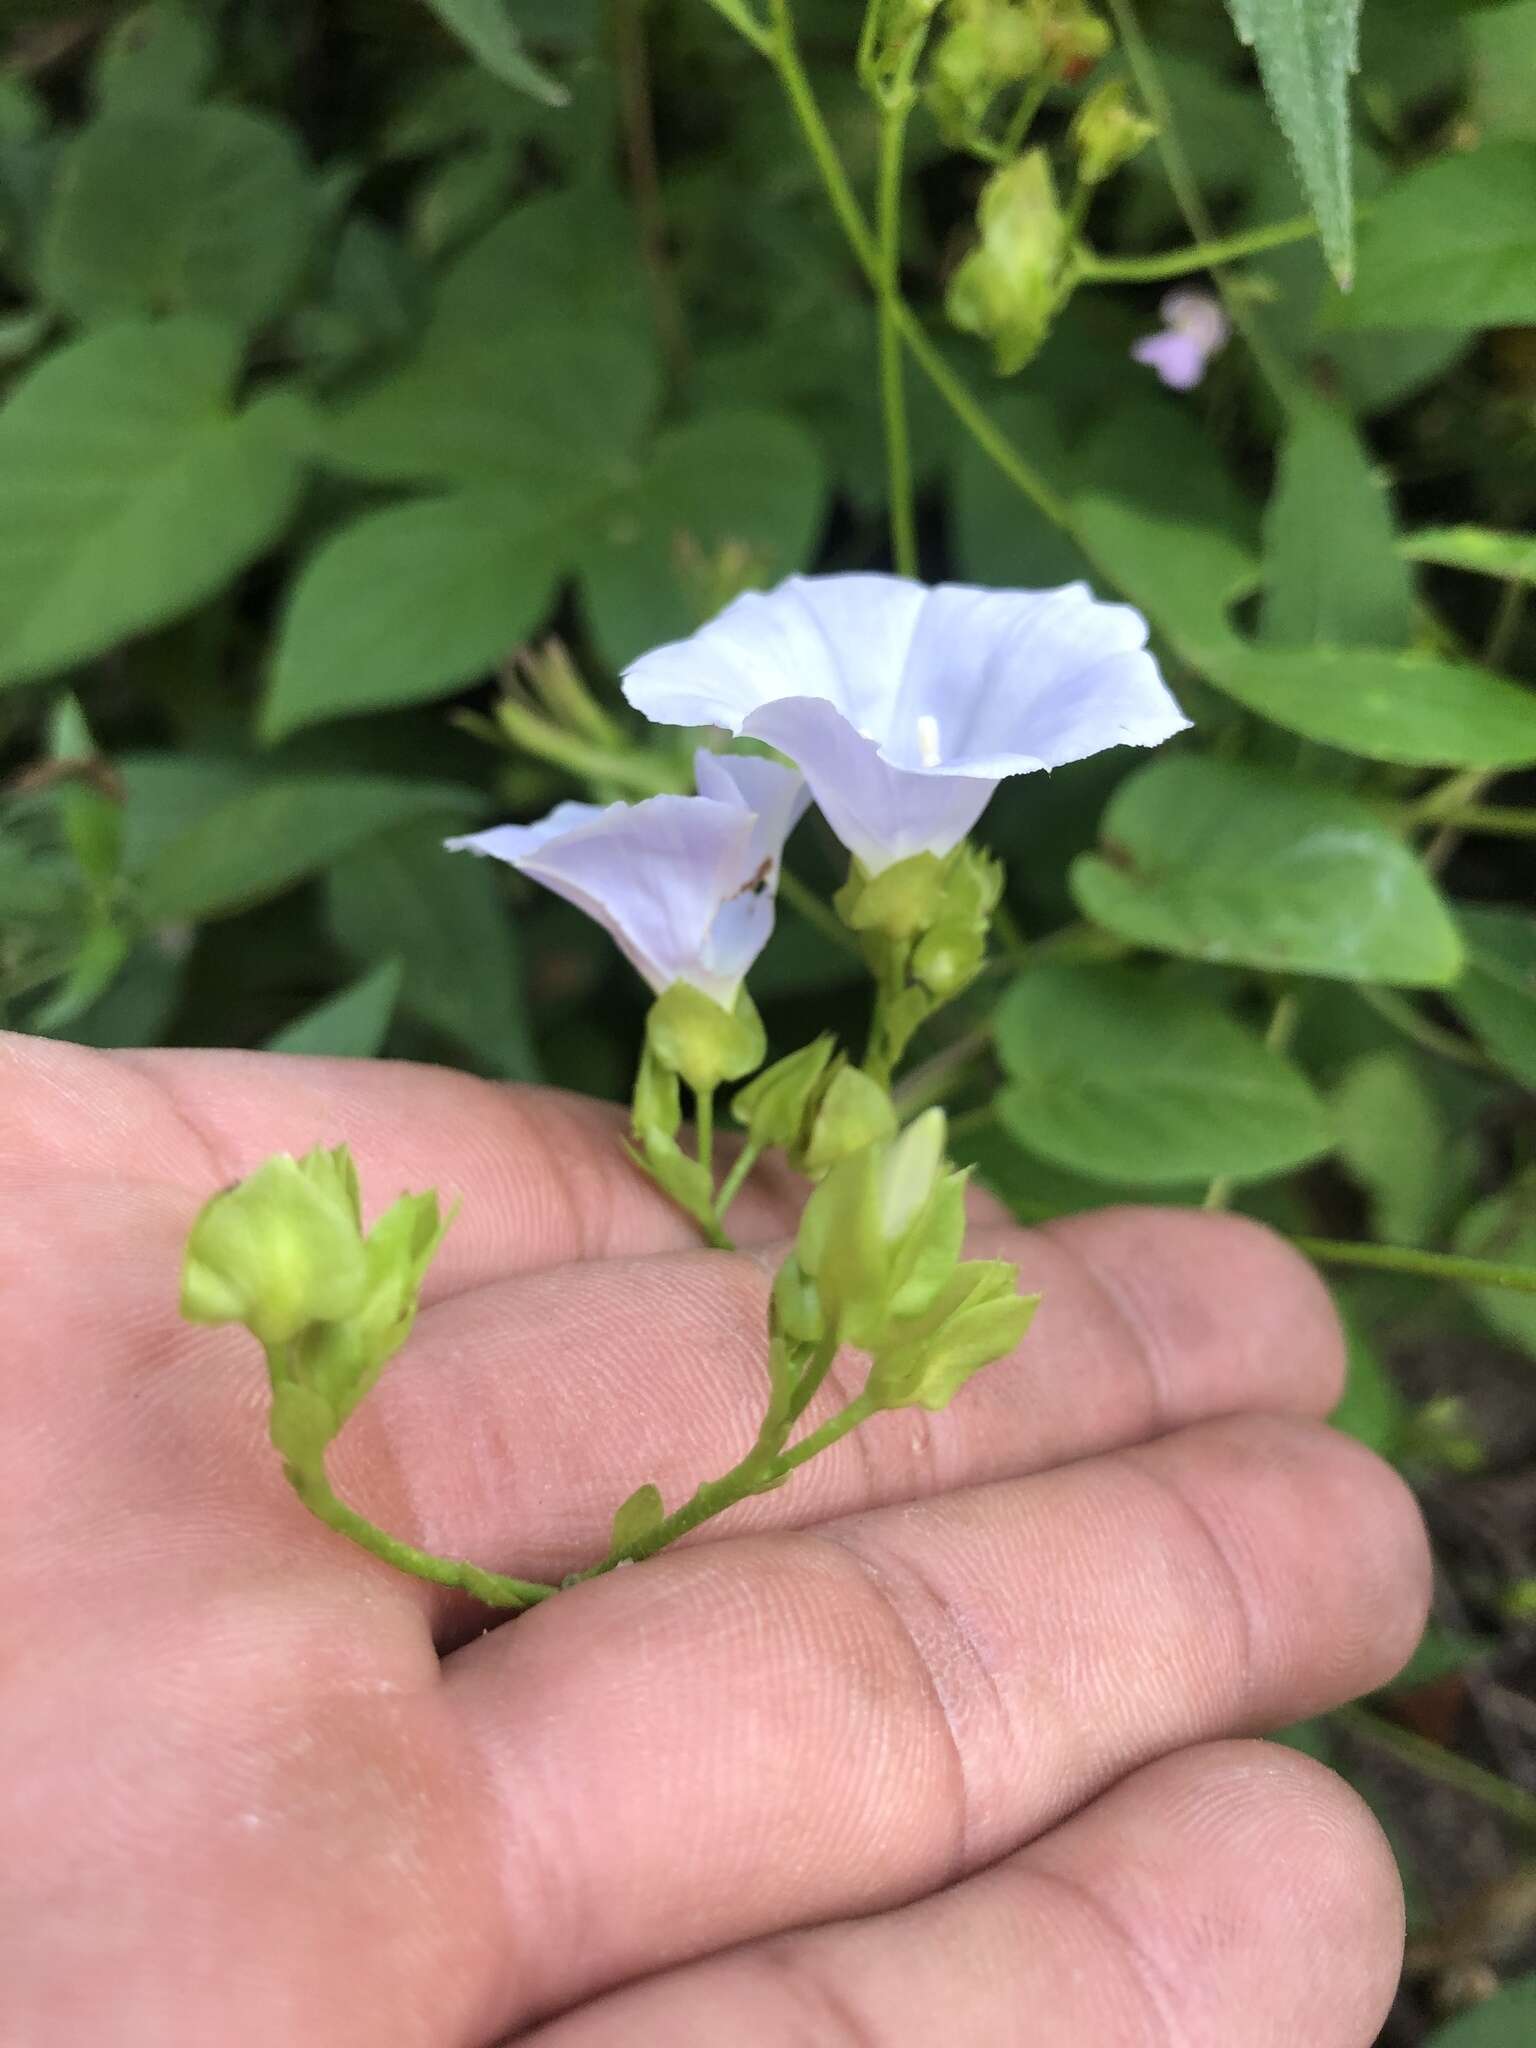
(939, 1743)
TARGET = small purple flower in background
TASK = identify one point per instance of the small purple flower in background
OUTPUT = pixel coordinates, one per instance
(905, 707)
(1194, 329)
(684, 885)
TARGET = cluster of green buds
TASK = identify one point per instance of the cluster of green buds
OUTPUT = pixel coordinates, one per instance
(1010, 287)
(284, 1253)
(923, 925)
(995, 50)
(877, 1266)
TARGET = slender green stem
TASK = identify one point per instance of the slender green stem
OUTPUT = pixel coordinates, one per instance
(1023, 116)
(704, 1128)
(807, 904)
(1444, 1766)
(931, 1082)
(1081, 941)
(760, 1469)
(1185, 187)
(1201, 256)
(578, 756)
(995, 444)
(1501, 821)
(1401, 1258)
(1506, 622)
(745, 23)
(731, 1186)
(1422, 1030)
(893, 395)
(314, 1489)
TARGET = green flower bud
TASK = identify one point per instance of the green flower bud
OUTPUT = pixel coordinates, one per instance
(949, 958)
(978, 1316)
(1108, 132)
(1008, 288)
(994, 47)
(341, 1360)
(854, 1111)
(909, 1174)
(693, 1036)
(775, 1107)
(279, 1250)
(930, 1252)
(797, 1308)
(657, 1109)
(1075, 37)
(899, 902)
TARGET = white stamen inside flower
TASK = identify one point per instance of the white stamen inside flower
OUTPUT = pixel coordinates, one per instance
(928, 740)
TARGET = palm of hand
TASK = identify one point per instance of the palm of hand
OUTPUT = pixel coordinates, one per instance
(935, 1744)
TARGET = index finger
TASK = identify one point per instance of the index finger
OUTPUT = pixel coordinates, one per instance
(542, 1176)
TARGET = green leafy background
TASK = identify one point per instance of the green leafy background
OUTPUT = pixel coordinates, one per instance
(345, 354)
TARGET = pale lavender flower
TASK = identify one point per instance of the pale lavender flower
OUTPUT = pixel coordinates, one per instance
(684, 885)
(1195, 328)
(906, 706)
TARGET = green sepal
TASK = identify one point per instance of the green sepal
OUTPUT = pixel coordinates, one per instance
(684, 1179)
(854, 1111)
(636, 1517)
(341, 1361)
(797, 1312)
(899, 902)
(1107, 132)
(931, 1249)
(657, 1109)
(279, 1250)
(1008, 289)
(948, 959)
(690, 1034)
(977, 1317)
(775, 1107)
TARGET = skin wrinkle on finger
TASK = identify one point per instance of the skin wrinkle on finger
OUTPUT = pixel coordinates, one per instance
(542, 1175)
(809, 1754)
(1235, 1895)
(660, 1375)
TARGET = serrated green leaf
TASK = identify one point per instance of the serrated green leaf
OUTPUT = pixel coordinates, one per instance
(1478, 549)
(1307, 50)
(485, 28)
(351, 1024)
(1226, 863)
(132, 489)
(1392, 1140)
(1507, 2020)
(1116, 1074)
(447, 919)
(1496, 996)
(1451, 244)
(263, 839)
(730, 497)
(1386, 705)
(1332, 572)
(200, 209)
(406, 604)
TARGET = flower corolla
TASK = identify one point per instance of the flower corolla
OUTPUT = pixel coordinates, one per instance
(1195, 328)
(904, 706)
(684, 885)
